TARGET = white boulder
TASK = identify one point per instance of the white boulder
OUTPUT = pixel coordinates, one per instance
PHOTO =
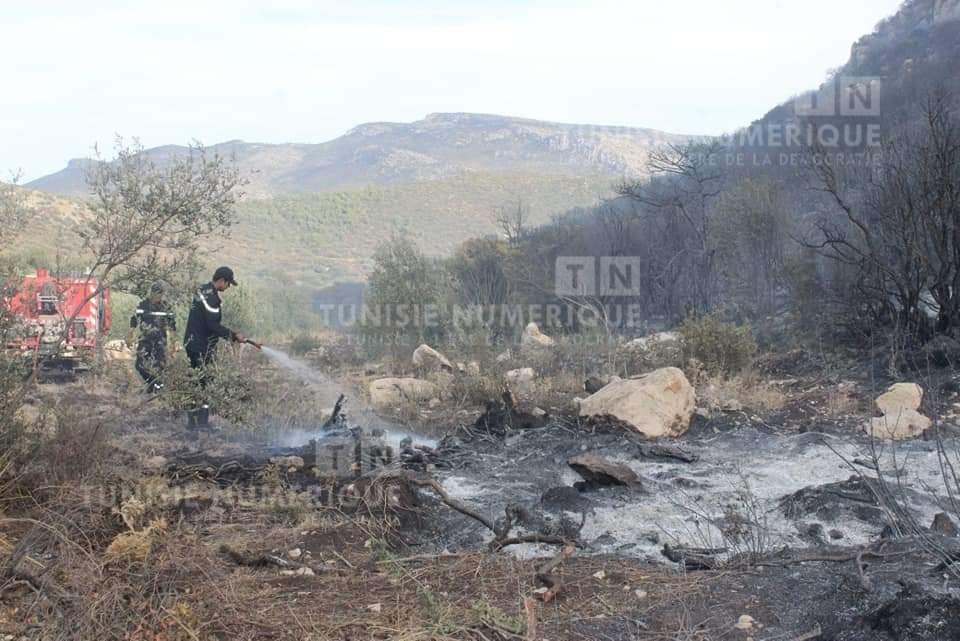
(387, 393)
(660, 403)
(425, 357)
(648, 342)
(901, 418)
(521, 380)
(117, 350)
(533, 338)
(899, 397)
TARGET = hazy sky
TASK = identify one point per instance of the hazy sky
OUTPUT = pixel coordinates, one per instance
(78, 73)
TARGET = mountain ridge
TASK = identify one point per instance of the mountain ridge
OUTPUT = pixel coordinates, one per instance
(441, 145)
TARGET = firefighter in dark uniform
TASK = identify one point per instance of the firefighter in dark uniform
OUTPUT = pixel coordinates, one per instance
(154, 318)
(204, 331)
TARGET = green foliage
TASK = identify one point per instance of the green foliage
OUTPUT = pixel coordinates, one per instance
(122, 306)
(302, 343)
(722, 347)
(145, 219)
(406, 296)
(226, 385)
(13, 370)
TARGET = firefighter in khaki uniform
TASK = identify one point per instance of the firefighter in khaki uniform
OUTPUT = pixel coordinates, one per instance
(155, 320)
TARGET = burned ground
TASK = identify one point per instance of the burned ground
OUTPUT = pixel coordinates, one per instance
(229, 539)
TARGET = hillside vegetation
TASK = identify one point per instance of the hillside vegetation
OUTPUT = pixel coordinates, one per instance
(287, 247)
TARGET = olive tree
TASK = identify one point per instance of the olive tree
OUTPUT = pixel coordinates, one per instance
(406, 297)
(13, 215)
(13, 212)
(148, 218)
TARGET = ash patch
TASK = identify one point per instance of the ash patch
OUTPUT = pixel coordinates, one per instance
(797, 489)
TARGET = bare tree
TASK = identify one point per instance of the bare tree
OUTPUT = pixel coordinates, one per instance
(14, 215)
(899, 228)
(512, 220)
(483, 267)
(751, 238)
(685, 181)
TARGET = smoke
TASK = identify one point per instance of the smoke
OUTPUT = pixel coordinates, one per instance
(299, 369)
(328, 391)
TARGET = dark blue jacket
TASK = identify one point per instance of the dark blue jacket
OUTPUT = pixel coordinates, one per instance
(203, 325)
(154, 321)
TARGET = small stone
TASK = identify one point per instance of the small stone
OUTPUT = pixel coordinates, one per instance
(374, 607)
(651, 536)
(600, 575)
(641, 594)
(305, 571)
(745, 622)
(598, 471)
(732, 405)
(295, 553)
(293, 463)
(287, 572)
(155, 463)
(944, 525)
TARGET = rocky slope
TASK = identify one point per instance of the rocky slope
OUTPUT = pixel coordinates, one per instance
(439, 146)
(912, 52)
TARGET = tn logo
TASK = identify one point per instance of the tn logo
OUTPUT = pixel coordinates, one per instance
(845, 96)
(603, 276)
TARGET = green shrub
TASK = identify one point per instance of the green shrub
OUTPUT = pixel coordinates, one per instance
(407, 300)
(227, 386)
(303, 343)
(722, 347)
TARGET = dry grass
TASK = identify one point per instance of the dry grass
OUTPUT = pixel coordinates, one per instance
(841, 401)
(170, 582)
(746, 390)
(135, 545)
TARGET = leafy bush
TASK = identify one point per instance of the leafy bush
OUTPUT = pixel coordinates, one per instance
(228, 387)
(303, 343)
(664, 349)
(13, 371)
(406, 299)
(721, 347)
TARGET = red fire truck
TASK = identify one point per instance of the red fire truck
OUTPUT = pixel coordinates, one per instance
(44, 305)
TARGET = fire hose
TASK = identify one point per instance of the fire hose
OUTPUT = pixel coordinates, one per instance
(250, 341)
